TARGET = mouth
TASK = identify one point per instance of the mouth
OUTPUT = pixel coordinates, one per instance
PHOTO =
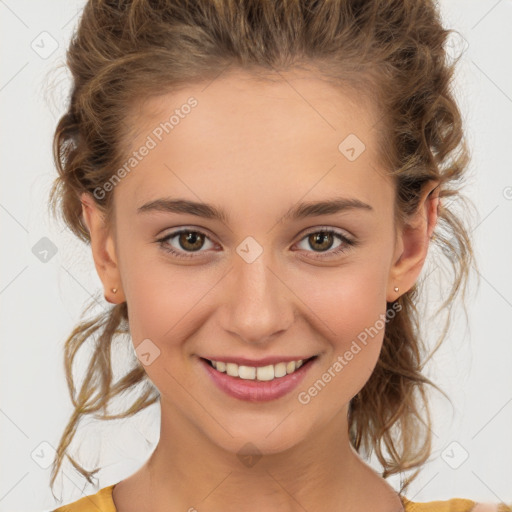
(259, 372)
(257, 383)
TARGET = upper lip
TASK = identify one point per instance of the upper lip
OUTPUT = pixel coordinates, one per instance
(258, 362)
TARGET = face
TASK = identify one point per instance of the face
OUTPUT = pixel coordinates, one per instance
(262, 281)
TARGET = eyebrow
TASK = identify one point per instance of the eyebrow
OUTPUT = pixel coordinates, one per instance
(297, 212)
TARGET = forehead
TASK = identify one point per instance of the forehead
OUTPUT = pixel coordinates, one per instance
(292, 134)
(286, 104)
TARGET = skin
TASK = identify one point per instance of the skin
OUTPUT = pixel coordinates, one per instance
(244, 141)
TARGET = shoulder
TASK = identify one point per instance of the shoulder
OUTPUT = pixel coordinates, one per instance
(454, 505)
(100, 502)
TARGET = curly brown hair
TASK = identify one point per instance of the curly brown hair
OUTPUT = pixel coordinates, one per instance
(391, 51)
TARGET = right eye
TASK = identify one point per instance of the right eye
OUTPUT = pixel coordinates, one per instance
(188, 239)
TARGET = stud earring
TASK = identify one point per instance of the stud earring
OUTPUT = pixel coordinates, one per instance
(114, 290)
(396, 288)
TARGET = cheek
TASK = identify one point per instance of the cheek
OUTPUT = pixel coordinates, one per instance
(166, 308)
(345, 300)
(166, 303)
(349, 307)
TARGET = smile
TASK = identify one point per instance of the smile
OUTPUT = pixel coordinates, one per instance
(260, 373)
(257, 383)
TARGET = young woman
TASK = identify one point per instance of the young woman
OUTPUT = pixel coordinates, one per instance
(260, 183)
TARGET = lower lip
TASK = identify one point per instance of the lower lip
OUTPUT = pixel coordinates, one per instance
(254, 390)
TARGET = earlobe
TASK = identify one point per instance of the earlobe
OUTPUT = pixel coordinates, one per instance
(103, 250)
(413, 242)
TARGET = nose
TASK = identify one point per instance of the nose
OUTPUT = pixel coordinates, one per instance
(257, 302)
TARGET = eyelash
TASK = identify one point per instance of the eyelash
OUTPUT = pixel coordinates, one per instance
(347, 243)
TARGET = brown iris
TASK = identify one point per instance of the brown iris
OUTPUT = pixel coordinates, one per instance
(320, 237)
(191, 240)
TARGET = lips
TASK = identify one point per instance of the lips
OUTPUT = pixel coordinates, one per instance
(255, 390)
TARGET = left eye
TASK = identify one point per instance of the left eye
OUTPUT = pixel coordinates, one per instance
(191, 241)
(324, 237)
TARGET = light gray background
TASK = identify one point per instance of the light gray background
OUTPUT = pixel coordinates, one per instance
(41, 302)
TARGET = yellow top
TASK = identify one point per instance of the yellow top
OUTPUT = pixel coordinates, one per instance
(102, 502)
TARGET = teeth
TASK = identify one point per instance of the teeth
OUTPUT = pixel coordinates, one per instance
(265, 372)
(246, 372)
(280, 370)
(232, 369)
(290, 367)
(262, 373)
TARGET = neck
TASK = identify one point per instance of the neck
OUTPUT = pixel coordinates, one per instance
(187, 471)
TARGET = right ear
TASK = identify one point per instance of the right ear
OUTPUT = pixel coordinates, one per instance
(103, 249)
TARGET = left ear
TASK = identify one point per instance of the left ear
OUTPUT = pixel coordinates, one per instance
(413, 242)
